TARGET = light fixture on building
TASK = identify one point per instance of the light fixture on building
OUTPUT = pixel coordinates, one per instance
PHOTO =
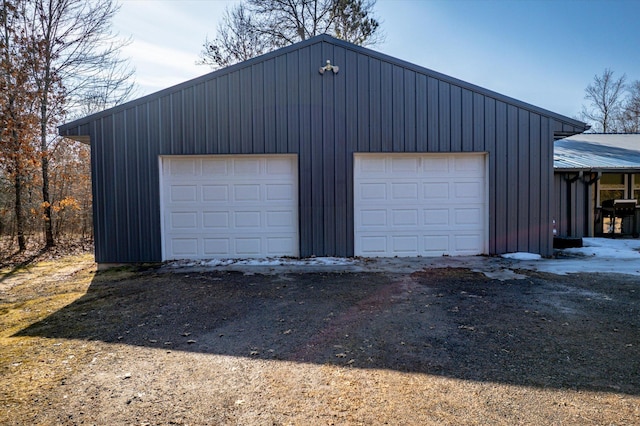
(329, 67)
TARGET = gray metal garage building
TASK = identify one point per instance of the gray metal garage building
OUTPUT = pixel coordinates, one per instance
(271, 157)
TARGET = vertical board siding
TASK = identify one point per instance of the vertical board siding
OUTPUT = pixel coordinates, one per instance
(282, 104)
(524, 181)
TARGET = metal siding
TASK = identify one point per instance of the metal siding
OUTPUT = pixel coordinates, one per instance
(283, 105)
(270, 105)
(546, 182)
(98, 193)
(133, 167)
(210, 117)
(409, 111)
(222, 106)
(433, 109)
(340, 227)
(352, 136)
(468, 127)
(489, 145)
(525, 190)
(375, 115)
(303, 136)
(456, 119)
(512, 179)
(255, 110)
(200, 121)
(363, 102)
(188, 132)
(421, 132)
(502, 179)
(535, 210)
(177, 125)
(444, 117)
(246, 107)
(293, 102)
(328, 146)
(153, 233)
(398, 99)
(386, 106)
(237, 145)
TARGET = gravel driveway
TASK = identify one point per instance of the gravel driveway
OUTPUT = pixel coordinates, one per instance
(403, 345)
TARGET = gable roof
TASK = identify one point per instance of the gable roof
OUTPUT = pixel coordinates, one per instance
(598, 152)
(562, 126)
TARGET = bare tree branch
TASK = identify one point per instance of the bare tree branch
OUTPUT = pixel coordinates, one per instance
(255, 27)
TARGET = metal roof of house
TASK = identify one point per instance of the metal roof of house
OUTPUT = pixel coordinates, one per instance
(598, 152)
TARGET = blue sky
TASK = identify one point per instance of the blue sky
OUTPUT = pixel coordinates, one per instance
(543, 52)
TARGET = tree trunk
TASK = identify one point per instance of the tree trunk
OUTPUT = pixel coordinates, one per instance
(22, 245)
(48, 222)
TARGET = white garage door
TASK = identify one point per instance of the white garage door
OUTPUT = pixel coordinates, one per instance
(420, 205)
(241, 206)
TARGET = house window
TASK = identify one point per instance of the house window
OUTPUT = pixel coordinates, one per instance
(636, 187)
(611, 187)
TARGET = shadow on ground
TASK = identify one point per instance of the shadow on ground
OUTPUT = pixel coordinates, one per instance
(578, 332)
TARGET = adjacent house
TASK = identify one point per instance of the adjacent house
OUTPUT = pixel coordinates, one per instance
(321, 148)
(597, 185)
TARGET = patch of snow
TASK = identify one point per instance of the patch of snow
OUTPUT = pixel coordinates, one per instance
(522, 256)
(268, 261)
(599, 255)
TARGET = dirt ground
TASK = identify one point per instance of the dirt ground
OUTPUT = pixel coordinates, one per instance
(436, 346)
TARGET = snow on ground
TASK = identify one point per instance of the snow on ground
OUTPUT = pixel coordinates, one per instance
(604, 255)
(522, 256)
(270, 261)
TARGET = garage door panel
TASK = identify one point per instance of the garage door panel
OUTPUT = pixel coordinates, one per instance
(229, 206)
(405, 217)
(248, 246)
(184, 246)
(279, 192)
(468, 190)
(404, 191)
(468, 216)
(402, 165)
(182, 193)
(215, 193)
(183, 168)
(373, 191)
(467, 243)
(371, 246)
(280, 246)
(215, 220)
(373, 218)
(246, 168)
(244, 193)
(435, 217)
(279, 219)
(247, 219)
(420, 204)
(215, 168)
(435, 190)
(217, 246)
(184, 220)
(436, 243)
(404, 245)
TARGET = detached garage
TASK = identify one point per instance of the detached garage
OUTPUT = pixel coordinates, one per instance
(271, 157)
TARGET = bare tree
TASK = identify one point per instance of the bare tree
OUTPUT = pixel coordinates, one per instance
(75, 59)
(631, 109)
(237, 40)
(256, 26)
(605, 96)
